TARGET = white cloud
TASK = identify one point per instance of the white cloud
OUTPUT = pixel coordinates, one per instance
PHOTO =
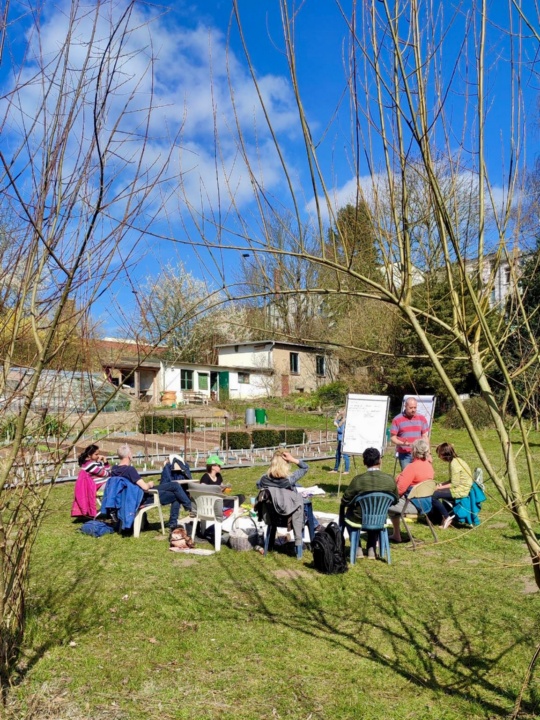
(185, 73)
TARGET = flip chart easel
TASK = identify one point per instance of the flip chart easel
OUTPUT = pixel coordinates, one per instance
(426, 406)
(366, 417)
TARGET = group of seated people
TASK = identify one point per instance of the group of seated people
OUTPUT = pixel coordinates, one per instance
(458, 486)
(95, 472)
(278, 482)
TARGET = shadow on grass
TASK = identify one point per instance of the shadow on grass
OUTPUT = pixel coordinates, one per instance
(419, 652)
(54, 606)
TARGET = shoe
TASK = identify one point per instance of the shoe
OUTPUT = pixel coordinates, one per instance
(447, 522)
(371, 554)
(345, 473)
(332, 472)
(192, 514)
(359, 554)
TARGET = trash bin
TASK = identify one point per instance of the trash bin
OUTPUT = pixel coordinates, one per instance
(260, 416)
(250, 416)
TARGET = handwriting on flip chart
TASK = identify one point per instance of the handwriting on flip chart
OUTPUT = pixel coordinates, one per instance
(365, 423)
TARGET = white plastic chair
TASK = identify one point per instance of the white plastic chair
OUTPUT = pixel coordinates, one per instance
(206, 511)
(144, 509)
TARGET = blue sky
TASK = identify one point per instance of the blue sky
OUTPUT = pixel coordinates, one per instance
(191, 79)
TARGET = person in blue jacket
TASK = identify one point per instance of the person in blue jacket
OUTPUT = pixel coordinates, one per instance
(123, 496)
(339, 422)
(169, 489)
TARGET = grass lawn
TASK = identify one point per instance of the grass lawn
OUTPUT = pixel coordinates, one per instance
(292, 419)
(123, 629)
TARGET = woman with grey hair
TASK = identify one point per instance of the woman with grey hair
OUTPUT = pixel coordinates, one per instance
(419, 470)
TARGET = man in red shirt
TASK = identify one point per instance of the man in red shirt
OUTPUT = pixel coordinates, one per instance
(407, 427)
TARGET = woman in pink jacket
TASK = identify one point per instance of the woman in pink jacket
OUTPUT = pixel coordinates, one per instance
(93, 474)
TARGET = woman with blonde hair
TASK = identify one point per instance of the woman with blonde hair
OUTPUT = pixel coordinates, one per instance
(279, 473)
(278, 478)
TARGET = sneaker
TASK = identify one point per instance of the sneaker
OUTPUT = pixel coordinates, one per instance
(447, 522)
(371, 554)
(332, 472)
(359, 554)
(192, 514)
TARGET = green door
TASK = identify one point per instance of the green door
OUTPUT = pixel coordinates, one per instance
(223, 386)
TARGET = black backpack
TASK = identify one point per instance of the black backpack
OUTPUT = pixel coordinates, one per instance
(328, 548)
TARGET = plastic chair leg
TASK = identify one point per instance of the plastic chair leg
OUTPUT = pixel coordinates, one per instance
(298, 552)
(384, 545)
(160, 511)
(354, 536)
(194, 529)
(217, 536)
(137, 525)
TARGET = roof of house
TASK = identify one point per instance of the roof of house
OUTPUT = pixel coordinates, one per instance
(273, 343)
(220, 368)
(118, 352)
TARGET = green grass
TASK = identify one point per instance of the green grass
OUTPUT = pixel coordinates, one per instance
(123, 629)
(292, 419)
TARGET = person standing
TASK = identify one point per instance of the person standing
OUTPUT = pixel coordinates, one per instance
(407, 427)
(339, 422)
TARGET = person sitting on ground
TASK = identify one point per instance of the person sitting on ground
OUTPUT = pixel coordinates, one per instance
(373, 480)
(93, 474)
(279, 477)
(418, 471)
(213, 477)
(459, 485)
(169, 489)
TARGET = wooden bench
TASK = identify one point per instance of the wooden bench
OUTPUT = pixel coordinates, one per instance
(195, 398)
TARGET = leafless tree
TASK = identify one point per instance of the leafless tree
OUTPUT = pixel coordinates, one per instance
(79, 183)
(408, 63)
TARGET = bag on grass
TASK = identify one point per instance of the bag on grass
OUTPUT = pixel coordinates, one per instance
(96, 528)
(179, 540)
(328, 548)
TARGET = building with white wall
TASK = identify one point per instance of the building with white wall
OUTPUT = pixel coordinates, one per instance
(194, 382)
(295, 367)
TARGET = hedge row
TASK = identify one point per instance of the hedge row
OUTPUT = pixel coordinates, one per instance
(163, 424)
(262, 438)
